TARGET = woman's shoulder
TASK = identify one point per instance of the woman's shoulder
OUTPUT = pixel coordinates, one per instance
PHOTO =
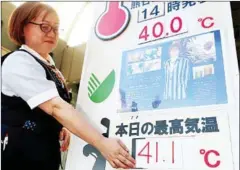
(19, 57)
(21, 63)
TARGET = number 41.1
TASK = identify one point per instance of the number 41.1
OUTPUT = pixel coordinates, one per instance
(147, 154)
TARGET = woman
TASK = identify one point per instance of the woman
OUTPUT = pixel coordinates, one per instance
(177, 74)
(35, 99)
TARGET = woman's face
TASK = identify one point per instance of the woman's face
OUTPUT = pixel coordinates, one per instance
(174, 52)
(35, 38)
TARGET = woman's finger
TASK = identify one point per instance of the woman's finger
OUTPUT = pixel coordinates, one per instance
(61, 135)
(119, 164)
(67, 138)
(113, 164)
(125, 161)
(66, 142)
(64, 146)
(127, 156)
(123, 145)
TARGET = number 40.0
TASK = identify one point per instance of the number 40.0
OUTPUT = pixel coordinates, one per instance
(176, 25)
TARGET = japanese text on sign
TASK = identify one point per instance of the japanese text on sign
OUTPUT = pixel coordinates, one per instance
(164, 127)
(176, 5)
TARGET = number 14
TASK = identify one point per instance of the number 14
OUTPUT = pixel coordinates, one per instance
(154, 12)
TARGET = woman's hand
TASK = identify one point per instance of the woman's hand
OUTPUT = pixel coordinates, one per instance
(65, 138)
(116, 153)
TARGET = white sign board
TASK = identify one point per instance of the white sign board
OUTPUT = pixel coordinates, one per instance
(162, 76)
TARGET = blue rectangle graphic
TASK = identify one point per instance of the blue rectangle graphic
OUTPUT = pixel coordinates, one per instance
(180, 73)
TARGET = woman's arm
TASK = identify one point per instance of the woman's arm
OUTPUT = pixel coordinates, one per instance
(33, 87)
(113, 150)
(74, 121)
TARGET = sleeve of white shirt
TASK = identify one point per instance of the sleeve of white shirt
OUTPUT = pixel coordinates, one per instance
(26, 78)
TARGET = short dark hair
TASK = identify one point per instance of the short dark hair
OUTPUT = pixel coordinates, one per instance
(174, 45)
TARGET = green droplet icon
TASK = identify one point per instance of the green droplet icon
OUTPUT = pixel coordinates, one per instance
(98, 91)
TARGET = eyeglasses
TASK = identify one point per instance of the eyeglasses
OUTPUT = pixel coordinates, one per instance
(46, 28)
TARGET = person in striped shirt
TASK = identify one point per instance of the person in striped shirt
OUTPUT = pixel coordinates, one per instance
(177, 74)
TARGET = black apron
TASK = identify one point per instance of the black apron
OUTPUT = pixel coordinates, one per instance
(33, 135)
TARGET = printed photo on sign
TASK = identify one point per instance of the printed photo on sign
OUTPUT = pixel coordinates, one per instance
(180, 73)
(147, 60)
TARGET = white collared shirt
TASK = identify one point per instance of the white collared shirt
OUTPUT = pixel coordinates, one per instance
(24, 77)
(49, 62)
